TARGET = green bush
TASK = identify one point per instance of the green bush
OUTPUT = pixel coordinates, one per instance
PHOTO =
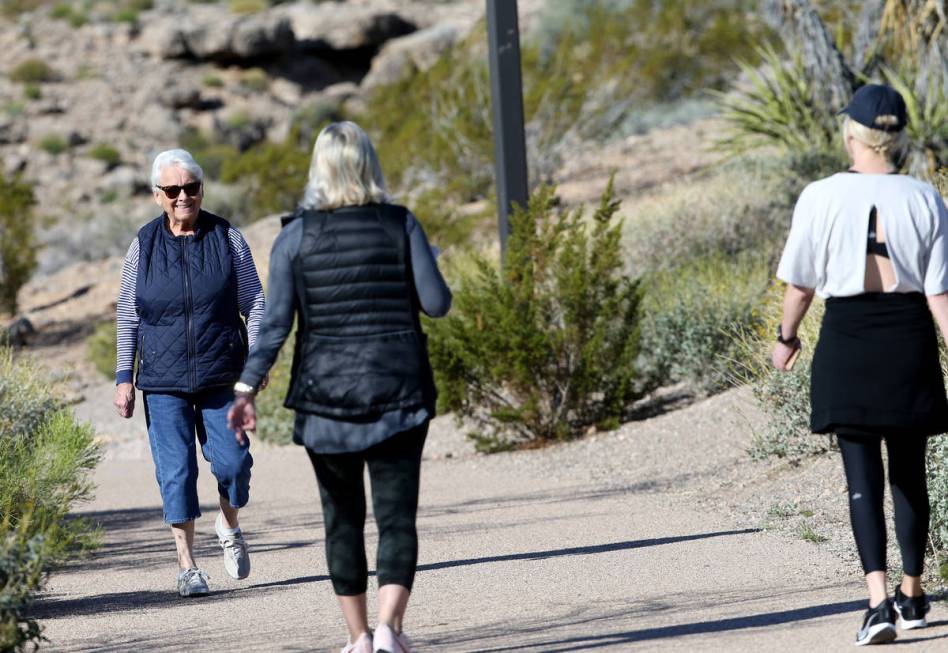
(18, 243)
(546, 347)
(248, 6)
(32, 92)
(45, 464)
(32, 70)
(54, 144)
(691, 314)
(100, 348)
(105, 153)
(255, 79)
(213, 81)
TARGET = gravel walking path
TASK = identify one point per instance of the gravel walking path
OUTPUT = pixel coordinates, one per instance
(652, 537)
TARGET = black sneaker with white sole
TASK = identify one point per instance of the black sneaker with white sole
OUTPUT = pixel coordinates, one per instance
(878, 625)
(911, 609)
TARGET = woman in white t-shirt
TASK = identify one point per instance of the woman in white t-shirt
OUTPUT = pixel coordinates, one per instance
(874, 245)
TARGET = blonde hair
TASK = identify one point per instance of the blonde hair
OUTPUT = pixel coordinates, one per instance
(891, 145)
(344, 170)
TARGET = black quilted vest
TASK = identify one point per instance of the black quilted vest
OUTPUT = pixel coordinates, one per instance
(359, 350)
(190, 335)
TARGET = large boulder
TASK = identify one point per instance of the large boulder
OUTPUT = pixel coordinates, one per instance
(205, 34)
(403, 56)
(341, 26)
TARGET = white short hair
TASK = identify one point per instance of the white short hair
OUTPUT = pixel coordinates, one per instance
(891, 145)
(178, 158)
(344, 169)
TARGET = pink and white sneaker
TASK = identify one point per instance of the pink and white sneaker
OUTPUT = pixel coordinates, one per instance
(387, 640)
(361, 645)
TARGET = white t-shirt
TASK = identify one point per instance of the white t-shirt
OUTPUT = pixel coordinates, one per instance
(826, 248)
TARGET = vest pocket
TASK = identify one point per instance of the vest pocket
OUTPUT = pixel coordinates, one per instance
(362, 375)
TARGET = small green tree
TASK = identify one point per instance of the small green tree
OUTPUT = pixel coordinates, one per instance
(17, 239)
(546, 347)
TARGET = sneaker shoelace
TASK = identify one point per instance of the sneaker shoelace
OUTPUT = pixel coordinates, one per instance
(236, 544)
(189, 577)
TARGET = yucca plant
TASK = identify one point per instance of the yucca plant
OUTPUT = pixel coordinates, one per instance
(928, 118)
(776, 107)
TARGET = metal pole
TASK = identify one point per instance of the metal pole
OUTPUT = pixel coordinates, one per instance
(510, 149)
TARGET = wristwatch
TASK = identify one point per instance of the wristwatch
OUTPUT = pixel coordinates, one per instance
(244, 389)
(785, 341)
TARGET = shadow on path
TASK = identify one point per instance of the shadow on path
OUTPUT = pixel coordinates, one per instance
(591, 642)
(539, 555)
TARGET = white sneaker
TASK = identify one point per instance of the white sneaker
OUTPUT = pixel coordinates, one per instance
(361, 645)
(236, 555)
(192, 582)
(386, 640)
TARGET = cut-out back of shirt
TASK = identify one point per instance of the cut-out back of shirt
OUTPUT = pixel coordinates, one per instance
(879, 272)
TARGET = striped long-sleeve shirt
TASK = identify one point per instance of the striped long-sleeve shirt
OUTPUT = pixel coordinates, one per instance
(250, 302)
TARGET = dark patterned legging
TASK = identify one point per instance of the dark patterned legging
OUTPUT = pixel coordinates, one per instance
(865, 476)
(394, 470)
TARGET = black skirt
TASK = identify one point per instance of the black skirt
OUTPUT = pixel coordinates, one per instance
(876, 369)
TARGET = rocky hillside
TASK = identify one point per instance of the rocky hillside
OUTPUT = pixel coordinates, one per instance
(87, 97)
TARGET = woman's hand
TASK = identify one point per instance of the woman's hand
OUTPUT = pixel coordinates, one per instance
(125, 400)
(242, 418)
(784, 355)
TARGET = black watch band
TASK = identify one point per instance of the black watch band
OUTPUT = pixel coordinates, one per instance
(785, 341)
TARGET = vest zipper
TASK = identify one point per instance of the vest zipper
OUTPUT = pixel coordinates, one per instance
(188, 312)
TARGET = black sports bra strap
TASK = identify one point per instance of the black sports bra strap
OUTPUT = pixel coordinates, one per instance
(873, 246)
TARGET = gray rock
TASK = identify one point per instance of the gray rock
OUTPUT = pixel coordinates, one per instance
(180, 95)
(125, 181)
(12, 130)
(341, 26)
(402, 56)
(203, 33)
(18, 332)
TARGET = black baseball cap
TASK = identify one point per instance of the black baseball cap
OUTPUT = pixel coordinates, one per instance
(878, 106)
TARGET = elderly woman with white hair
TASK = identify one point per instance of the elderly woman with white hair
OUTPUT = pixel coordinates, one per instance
(354, 270)
(187, 279)
(874, 245)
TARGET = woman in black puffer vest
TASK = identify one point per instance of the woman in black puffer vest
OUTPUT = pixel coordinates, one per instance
(354, 271)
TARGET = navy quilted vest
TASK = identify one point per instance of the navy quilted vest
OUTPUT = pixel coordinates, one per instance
(360, 350)
(190, 335)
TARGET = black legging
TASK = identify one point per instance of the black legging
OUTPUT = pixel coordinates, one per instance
(862, 460)
(394, 469)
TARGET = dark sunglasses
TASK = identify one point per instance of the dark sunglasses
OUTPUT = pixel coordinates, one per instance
(191, 189)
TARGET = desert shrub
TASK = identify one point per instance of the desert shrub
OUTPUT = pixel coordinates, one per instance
(783, 396)
(105, 153)
(45, 462)
(100, 349)
(744, 205)
(255, 80)
(691, 314)
(545, 347)
(17, 239)
(248, 6)
(54, 144)
(32, 70)
(32, 92)
(67, 12)
(212, 81)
